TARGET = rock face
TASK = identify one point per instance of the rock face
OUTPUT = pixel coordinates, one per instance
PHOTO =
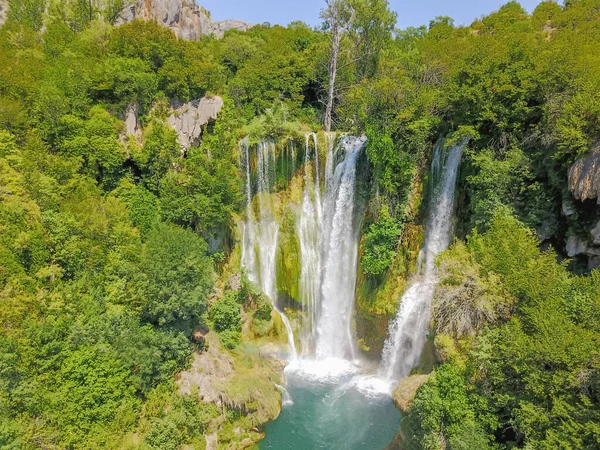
(575, 246)
(3, 11)
(184, 17)
(406, 391)
(584, 176)
(132, 123)
(189, 118)
(247, 385)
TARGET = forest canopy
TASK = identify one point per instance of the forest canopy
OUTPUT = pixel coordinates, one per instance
(110, 245)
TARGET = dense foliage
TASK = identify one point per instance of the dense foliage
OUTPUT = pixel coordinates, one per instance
(529, 376)
(110, 244)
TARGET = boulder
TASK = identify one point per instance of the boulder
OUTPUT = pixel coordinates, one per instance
(185, 17)
(189, 118)
(584, 176)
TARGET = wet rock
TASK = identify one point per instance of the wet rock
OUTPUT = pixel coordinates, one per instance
(584, 176)
(189, 118)
(185, 17)
(247, 386)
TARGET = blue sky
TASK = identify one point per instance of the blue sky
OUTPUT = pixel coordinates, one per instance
(410, 12)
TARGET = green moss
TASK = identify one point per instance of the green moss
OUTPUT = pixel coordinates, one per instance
(288, 257)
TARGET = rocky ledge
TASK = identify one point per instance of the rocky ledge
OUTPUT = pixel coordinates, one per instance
(243, 381)
(584, 176)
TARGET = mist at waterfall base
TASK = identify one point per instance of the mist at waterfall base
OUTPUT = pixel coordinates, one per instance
(331, 400)
(331, 415)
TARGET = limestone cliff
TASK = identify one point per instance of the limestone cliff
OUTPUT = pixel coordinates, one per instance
(185, 17)
(584, 176)
(189, 119)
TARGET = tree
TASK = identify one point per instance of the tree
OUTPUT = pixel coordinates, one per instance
(175, 277)
(371, 30)
(338, 17)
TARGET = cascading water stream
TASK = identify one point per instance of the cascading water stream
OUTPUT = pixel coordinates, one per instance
(326, 378)
(308, 229)
(260, 236)
(408, 332)
(327, 230)
(339, 252)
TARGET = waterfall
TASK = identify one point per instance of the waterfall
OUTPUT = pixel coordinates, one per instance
(327, 228)
(339, 252)
(408, 332)
(259, 245)
(308, 229)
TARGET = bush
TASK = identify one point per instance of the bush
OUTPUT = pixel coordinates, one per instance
(225, 314)
(379, 246)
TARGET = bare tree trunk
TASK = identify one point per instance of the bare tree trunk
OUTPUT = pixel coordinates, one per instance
(336, 37)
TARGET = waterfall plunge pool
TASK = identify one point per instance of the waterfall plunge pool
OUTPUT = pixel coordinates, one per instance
(329, 405)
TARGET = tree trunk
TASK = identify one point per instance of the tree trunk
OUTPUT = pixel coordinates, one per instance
(335, 49)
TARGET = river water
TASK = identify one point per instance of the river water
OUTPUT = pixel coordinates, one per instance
(330, 406)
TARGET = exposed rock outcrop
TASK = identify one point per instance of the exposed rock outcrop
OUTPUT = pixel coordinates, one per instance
(584, 176)
(132, 123)
(3, 11)
(185, 17)
(576, 246)
(407, 389)
(596, 234)
(248, 387)
(189, 119)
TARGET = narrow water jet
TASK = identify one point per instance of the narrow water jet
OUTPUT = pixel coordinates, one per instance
(408, 332)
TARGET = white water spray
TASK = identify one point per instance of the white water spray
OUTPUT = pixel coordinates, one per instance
(339, 252)
(408, 332)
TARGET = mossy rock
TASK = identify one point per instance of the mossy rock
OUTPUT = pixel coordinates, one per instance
(407, 389)
(287, 258)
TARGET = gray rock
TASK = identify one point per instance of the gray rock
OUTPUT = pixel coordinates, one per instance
(186, 19)
(576, 246)
(132, 123)
(596, 234)
(584, 176)
(568, 208)
(218, 29)
(188, 119)
(545, 230)
(594, 262)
